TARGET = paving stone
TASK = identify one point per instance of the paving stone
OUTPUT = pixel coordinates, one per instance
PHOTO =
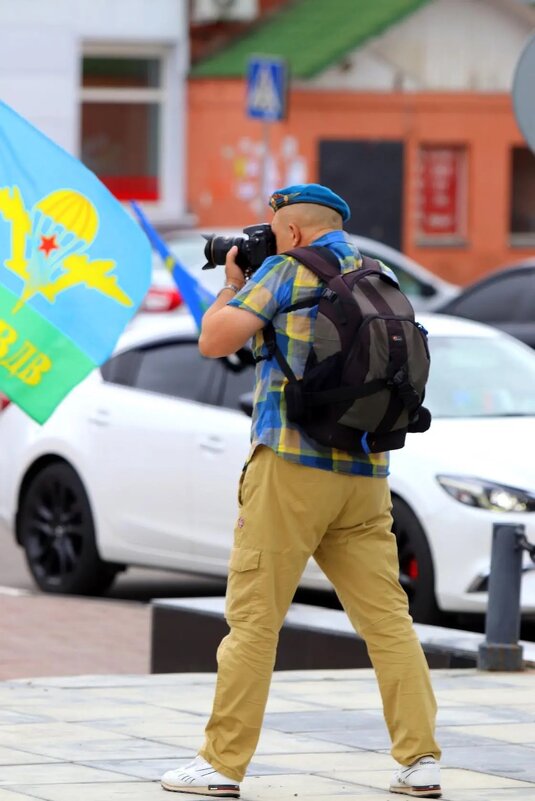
(56, 773)
(8, 795)
(513, 761)
(332, 763)
(151, 728)
(124, 791)
(8, 716)
(16, 756)
(376, 738)
(497, 794)
(474, 715)
(507, 696)
(323, 720)
(506, 731)
(148, 769)
(292, 785)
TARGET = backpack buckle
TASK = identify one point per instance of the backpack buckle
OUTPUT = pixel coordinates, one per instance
(330, 295)
(270, 344)
(405, 391)
(397, 379)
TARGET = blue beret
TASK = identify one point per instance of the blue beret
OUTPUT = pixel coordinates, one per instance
(310, 193)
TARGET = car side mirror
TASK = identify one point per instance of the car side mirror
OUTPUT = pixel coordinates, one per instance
(241, 360)
(246, 403)
(428, 291)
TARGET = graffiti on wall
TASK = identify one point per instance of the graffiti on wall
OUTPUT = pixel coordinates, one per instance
(255, 178)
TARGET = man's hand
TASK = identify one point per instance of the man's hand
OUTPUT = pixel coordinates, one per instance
(233, 273)
(226, 329)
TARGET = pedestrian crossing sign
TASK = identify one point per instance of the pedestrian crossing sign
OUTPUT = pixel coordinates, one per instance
(266, 88)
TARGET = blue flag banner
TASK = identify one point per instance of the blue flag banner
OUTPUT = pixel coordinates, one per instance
(74, 267)
(196, 297)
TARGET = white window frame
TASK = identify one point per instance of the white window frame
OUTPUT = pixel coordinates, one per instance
(170, 95)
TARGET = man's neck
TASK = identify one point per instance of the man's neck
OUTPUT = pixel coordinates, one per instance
(317, 234)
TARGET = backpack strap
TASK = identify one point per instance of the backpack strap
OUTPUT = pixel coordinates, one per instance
(370, 264)
(326, 266)
(270, 341)
(323, 263)
(320, 260)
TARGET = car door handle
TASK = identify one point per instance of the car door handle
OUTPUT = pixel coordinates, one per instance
(212, 444)
(100, 417)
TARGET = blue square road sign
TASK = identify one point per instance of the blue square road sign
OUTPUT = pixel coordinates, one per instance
(267, 79)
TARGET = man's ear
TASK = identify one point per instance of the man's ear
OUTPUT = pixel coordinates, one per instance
(296, 234)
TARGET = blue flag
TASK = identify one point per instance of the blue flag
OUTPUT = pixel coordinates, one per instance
(196, 297)
(74, 267)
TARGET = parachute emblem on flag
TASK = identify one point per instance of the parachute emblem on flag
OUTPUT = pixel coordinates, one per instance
(49, 244)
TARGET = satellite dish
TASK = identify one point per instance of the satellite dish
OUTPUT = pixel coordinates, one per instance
(524, 94)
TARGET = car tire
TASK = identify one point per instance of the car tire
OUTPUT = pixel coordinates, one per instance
(56, 530)
(416, 572)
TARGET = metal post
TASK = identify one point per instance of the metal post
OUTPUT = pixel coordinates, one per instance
(501, 650)
(264, 174)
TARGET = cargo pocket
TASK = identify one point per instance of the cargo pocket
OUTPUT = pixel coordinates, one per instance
(242, 587)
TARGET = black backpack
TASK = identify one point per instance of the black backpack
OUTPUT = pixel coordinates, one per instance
(363, 384)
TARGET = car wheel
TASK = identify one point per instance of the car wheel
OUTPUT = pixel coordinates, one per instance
(56, 530)
(416, 573)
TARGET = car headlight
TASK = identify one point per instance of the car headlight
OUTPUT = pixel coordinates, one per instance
(487, 495)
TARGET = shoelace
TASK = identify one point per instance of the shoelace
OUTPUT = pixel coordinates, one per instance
(192, 772)
(406, 772)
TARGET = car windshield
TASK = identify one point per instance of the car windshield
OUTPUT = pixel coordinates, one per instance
(480, 377)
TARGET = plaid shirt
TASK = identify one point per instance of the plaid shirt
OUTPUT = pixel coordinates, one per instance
(280, 282)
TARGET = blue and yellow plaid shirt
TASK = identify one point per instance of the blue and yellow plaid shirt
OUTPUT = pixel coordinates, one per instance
(280, 282)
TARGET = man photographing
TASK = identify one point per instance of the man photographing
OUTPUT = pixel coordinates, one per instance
(298, 498)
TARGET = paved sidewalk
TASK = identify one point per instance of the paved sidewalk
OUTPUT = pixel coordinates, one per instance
(47, 635)
(107, 738)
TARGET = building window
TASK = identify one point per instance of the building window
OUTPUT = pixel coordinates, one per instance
(122, 99)
(442, 191)
(522, 221)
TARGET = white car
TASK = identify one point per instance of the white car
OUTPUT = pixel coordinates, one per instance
(424, 289)
(140, 464)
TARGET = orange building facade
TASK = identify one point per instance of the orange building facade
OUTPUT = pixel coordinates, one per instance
(460, 168)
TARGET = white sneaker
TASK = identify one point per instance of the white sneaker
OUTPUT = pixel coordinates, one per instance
(201, 778)
(422, 779)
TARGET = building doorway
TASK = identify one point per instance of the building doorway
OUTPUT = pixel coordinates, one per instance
(368, 174)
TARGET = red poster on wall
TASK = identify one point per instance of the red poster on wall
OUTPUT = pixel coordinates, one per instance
(441, 191)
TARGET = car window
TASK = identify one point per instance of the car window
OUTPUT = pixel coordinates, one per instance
(121, 369)
(231, 385)
(176, 369)
(500, 300)
(480, 377)
(408, 284)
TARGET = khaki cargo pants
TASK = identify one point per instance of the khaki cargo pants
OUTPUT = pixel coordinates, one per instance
(289, 512)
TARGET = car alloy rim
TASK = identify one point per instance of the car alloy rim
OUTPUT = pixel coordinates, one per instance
(55, 531)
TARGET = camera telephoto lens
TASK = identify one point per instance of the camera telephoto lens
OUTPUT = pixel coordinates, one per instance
(217, 247)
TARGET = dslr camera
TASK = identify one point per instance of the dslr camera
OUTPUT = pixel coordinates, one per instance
(251, 251)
